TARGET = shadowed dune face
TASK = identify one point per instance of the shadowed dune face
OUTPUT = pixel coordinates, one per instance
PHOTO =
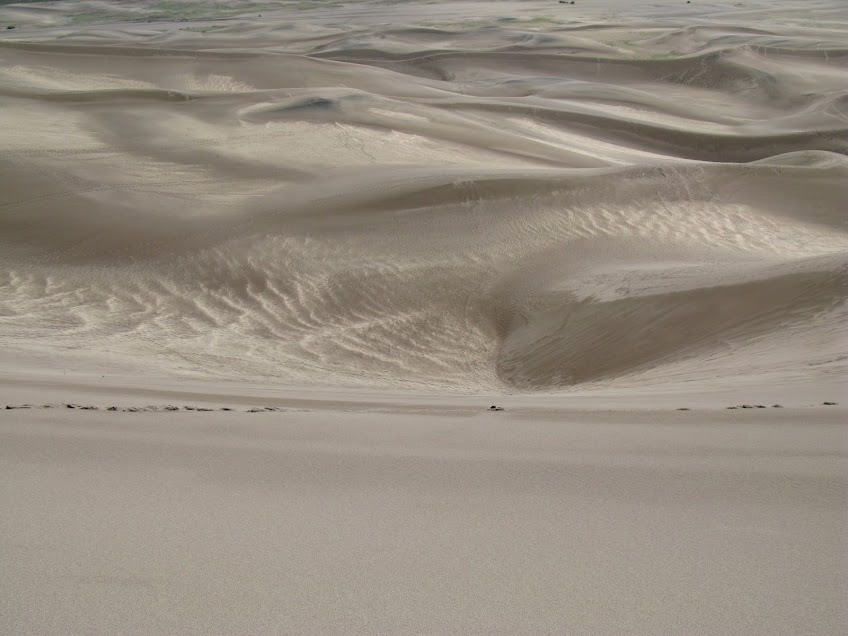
(489, 204)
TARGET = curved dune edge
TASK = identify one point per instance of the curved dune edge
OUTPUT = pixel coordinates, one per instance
(568, 343)
(506, 205)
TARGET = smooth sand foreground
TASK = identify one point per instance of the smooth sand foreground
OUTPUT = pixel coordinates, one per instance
(465, 522)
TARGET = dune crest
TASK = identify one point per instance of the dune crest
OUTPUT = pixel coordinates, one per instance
(488, 204)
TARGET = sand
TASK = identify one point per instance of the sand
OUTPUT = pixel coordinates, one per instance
(377, 220)
(398, 522)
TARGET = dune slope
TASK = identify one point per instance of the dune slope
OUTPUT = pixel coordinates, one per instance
(464, 202)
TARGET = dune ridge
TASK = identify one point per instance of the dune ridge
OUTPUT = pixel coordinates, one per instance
(494, 205)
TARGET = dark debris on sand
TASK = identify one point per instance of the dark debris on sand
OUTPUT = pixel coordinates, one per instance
(273, 409)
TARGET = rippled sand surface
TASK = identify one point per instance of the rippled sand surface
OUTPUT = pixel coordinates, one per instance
(464, 197)
(379, 219)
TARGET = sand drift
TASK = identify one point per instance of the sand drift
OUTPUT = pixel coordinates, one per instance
(496, 205)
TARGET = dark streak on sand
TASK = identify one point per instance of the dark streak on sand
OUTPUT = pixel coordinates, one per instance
(273, 409)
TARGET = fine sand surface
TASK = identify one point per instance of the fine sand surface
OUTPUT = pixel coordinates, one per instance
(376, 220)
(335, 521)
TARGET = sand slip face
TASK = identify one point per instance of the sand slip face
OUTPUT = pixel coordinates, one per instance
(472, 197)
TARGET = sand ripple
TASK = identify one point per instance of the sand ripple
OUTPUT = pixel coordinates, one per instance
(500, 205)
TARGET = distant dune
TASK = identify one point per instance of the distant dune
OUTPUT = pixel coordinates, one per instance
(471, 202)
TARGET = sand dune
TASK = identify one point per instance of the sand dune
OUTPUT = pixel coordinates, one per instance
(375, 220)
(433, 274)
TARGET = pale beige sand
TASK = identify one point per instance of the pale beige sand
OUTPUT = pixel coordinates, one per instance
(336, 522)
(384, 218)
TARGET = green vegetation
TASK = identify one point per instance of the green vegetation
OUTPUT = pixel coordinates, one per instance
(170, 9)
(637, 38)
(173, 10)
(313, 4)
(3, 3)
(541, 20)
(92, 17)
(204, 29)
(477, 23)
(663, 56)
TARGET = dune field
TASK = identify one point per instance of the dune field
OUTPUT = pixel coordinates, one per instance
(377, 219)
